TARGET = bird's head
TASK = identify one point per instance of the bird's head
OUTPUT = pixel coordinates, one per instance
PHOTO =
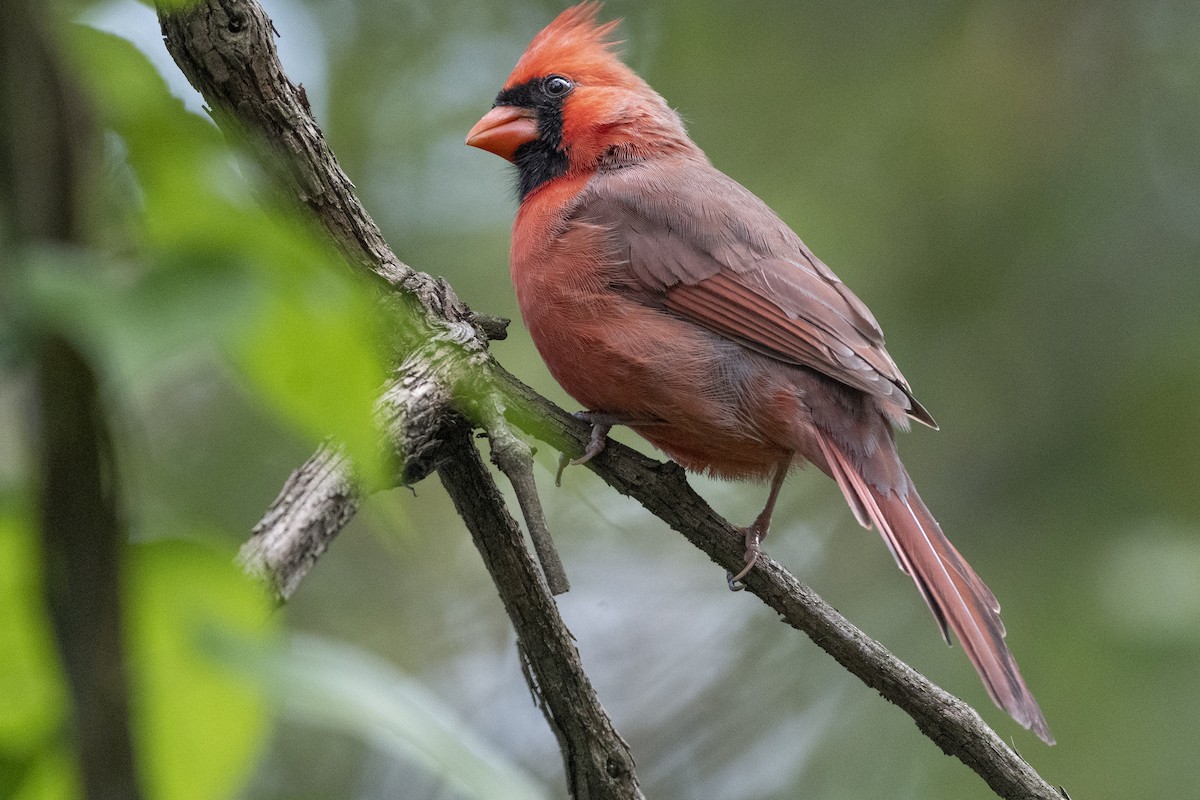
(570, 104)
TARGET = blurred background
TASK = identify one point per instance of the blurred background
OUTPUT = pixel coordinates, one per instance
(1013, 188)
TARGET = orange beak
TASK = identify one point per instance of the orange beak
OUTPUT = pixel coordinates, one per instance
(503, 129)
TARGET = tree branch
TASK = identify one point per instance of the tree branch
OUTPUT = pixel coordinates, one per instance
(322, 496)
(313, 506)
(597, 760)
(225, 49)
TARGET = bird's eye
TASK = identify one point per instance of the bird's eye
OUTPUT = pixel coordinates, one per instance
(557, 86)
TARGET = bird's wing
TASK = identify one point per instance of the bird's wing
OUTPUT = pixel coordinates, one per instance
(707, 249)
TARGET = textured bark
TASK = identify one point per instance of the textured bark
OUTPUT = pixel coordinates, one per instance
(321, 496)
(225, 48)
(515, 459)
(313, 506)
(597, 760)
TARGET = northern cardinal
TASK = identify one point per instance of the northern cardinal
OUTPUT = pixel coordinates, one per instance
(665, 296)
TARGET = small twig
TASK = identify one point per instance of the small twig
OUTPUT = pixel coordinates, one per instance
(597, 760)
(515, 460)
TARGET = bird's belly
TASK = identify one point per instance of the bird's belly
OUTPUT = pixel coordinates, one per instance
(707, 402)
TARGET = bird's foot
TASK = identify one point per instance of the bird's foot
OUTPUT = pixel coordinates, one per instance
(753, 535)
(602, 423)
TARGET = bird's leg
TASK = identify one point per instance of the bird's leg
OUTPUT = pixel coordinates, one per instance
(757, 530)
(602, 423)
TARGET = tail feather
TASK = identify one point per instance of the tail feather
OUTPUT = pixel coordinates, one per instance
(957, 596)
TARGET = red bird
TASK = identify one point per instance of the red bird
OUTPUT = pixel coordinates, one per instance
(665, 296)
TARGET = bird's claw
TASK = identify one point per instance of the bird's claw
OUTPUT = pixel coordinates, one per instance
(595, 444)
(753, 536)
(601, 424)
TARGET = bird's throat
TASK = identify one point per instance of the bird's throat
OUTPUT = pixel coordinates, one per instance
(538, 162)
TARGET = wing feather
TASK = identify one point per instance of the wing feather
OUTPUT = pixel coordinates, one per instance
(710, 251)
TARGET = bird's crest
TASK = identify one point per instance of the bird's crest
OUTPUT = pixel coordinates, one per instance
(575, 45)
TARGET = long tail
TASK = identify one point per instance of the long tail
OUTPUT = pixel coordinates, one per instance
(958, 597)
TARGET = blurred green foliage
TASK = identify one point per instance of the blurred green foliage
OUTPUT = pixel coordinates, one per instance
(300, 329)
(199, 723)
(1014, 190)
(197, 262)
(32, 699)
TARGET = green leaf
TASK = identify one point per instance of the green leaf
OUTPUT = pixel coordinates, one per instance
(200, 723)
(50, 776)
(133, 320)
(33, 697)
(224, 263)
